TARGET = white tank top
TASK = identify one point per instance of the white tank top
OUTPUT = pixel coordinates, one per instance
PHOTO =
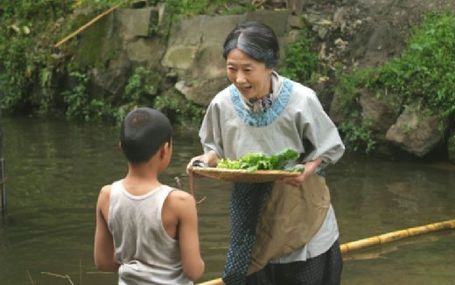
(146, 253)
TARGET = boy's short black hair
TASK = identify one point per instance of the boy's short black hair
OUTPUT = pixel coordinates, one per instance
(255, 39)
(143, 131)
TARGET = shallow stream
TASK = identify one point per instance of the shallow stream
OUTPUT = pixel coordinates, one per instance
(55, 170)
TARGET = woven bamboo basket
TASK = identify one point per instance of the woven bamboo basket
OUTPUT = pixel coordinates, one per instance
(243, 176)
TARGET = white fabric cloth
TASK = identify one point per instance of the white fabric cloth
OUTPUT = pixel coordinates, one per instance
(300, 124)
(146, 253)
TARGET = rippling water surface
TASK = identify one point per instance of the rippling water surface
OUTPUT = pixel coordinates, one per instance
(55, 170)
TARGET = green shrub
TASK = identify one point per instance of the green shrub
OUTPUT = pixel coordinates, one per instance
(141, 84)
(26, 66)
(301, 60)
(423, 73)
(140, 90)
(358, 136)
(179, 109)
(425, 70)
(13, 76)
(29, 64)
(195, 7)
(82, 106)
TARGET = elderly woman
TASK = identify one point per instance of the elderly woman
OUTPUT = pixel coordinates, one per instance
(283, 232)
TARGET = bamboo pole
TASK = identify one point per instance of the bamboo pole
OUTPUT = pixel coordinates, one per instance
(85, 26)
(396, 235)
(379, 239)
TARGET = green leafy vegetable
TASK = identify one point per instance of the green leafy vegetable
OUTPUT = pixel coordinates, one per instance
(284, 160)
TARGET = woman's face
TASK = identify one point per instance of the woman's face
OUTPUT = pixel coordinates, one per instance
(252, 78)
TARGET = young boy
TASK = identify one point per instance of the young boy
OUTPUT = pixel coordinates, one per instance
(144, 229)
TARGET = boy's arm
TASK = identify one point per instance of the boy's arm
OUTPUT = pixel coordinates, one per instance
(188, 236)
(104, 244)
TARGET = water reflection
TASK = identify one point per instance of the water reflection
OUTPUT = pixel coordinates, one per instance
(55, 170)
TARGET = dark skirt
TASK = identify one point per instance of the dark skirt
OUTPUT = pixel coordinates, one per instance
(324, 269)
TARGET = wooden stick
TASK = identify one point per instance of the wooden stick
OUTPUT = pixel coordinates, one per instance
(88, 24)
(191, 183)
(66, 276)
(191, 187)
(30, 277)
(379, 239)
(396, 235)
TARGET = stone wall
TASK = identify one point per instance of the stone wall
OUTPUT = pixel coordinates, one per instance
(195, 50)
(187, 55)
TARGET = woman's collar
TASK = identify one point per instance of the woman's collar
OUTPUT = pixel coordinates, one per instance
(264, 103)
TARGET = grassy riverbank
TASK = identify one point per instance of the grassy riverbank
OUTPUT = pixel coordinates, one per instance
(32, 70)
(41, 80)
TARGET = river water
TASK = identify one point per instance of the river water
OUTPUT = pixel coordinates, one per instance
(55, 169)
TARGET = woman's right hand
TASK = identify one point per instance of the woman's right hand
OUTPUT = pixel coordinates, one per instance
(194, 161)
(209, 159)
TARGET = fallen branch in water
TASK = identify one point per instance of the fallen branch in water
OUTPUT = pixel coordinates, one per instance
(30, 277)
(67, 277)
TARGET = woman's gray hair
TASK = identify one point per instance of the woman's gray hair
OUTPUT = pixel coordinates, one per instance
(255, 39)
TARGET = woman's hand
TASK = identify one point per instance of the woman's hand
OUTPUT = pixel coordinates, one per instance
(310, 168)
(210, 159)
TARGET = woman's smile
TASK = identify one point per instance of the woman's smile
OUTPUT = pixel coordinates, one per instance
(244, 89)
(251, 77)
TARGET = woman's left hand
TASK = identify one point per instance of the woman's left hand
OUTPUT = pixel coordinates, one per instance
(310, 168)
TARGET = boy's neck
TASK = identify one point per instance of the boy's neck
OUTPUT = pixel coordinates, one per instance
(141, 179)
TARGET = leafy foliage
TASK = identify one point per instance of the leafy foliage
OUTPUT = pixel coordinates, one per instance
(195, 7)
(29, 9)
(140, 85)
(423, 74)
(424, 71)
(301, 60)
(80, 105)
(259, 161)
(357, 135)
(140, 90)
(31, 72)
(180, 7)
(179, 109)
(26, 67)
(451, 147)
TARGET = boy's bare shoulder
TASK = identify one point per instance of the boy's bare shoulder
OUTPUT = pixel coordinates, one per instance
(180, 198)
(106, 188)
(105, 192)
